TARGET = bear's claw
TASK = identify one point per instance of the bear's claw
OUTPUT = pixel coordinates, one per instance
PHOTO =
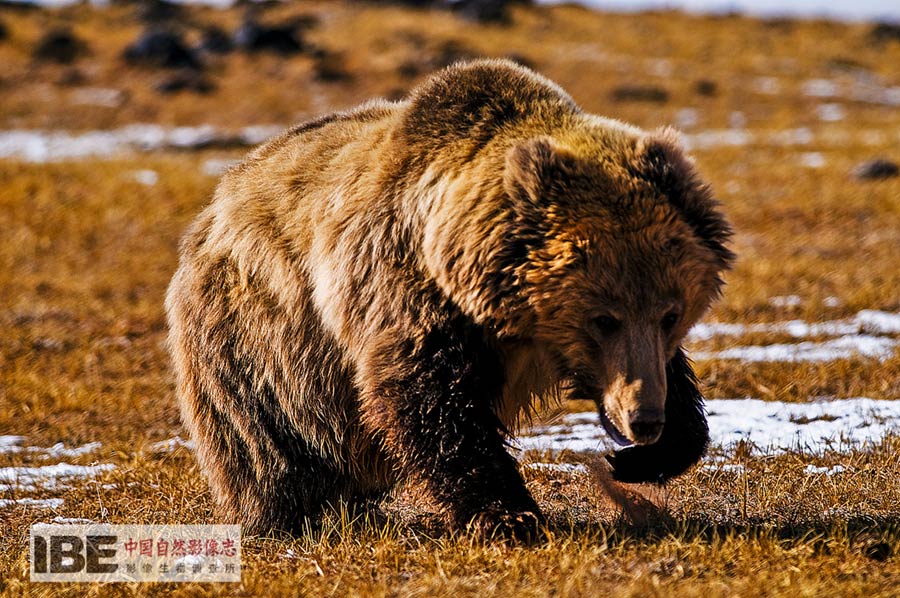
(516, 526)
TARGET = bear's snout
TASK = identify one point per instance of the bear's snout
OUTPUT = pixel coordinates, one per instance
(646, 425)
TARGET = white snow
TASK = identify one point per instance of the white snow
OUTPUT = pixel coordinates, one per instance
(828, 471)
(868, 320)
(820, 88)
(48, 476)
(850, 11)
(567, 468)
(811, 427)
(13, 444)
(830, 113)
(714, 138)
(146, 177)
(70, 520)
(812, 160)
(170, 444)
(881, 322)
(735, 468)
(39, 503)
(687, 118)
(217, 166)
(98, 96)
(786, 301)
(845, 347)
(34, 145)
(59, 450)
(10, 444)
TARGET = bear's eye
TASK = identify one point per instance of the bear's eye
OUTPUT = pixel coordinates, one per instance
(669, 321)
(607, 324)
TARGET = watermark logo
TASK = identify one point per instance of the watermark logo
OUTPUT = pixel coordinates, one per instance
(129, 553)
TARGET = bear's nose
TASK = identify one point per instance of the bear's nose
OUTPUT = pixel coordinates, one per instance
(646, 425)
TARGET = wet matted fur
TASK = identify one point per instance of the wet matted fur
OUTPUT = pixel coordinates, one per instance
(381, 295)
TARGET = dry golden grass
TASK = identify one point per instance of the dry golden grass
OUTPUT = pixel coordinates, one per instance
(86, 253)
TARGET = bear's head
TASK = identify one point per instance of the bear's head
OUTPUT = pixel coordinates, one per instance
(615, 250)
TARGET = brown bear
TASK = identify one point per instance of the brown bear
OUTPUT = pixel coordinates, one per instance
(381, 295)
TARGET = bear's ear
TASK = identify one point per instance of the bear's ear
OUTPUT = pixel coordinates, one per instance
(661, 161)
(534, 168)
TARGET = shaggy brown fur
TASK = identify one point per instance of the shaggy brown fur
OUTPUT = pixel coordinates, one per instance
(379, 295)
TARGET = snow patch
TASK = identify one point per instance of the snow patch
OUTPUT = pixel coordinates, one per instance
(811, 427)
(812, 160)
(845, 347)
(10, 444)
(786, 301)
(879, 321)
(45, 146)
(59, 450)
(827, 471)
(98, 96)
(70, 520)
(146, 177)
(170, 444)
(735, 468)
(217, 166)
(567, 468)
(13, 444)
(38, 503)
(831, 113)
(868, 320)
(820, 88)
(48, 476)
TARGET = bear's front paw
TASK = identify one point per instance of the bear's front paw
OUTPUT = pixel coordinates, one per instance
(516, 526)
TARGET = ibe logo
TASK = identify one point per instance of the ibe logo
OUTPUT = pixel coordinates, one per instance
(129, 553)
(72, 554)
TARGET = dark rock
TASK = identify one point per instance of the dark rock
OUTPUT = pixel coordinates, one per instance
(395, 95)
(410, 3)
(16, 5)
(449, 53)
(330, 68)
(706, 88)
(640, 93)
(304, 22)
(878, 168)
(885, 32)
(780, 24)
(410, 69)
(281, 39)
(4, 33)
(161, 48)
(157, 11)
(188, 80)
(846, 64)
(481, 11)
(216, 41)
(521, 59)
(60, 46)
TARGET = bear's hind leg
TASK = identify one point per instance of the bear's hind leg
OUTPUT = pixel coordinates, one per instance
(261, 476)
